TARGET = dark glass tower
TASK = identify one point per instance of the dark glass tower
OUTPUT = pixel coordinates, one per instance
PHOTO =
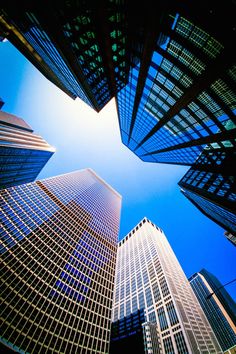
(169, 64)
(23, 153)
(83, 47)
(210, 184)
(181, 95)
(219, 308)
(58, 254)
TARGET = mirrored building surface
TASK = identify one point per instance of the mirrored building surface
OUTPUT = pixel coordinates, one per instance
(210, 184)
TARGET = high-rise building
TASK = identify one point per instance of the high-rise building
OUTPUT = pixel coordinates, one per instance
(182, 93)
(58, 254)
(23, 153)
(210, 184)
(218, 306)
(153, 300)
(83, 47)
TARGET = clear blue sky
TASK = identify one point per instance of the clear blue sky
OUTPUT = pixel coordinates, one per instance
(84, 138)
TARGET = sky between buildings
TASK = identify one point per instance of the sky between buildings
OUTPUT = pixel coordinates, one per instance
(84, 138)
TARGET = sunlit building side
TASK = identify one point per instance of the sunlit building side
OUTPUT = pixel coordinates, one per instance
(58, 256)
(154, 308)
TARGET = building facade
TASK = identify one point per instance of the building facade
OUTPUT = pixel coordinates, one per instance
(210, 184)
(152, 293)
(23, 153)
(84, 48)
(182, 95)
(218, 306)
(172, 70)
(58, 253)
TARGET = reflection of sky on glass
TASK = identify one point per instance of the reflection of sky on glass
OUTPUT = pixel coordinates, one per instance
(84, 138)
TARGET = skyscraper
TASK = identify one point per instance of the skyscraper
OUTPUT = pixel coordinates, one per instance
(182, 93)
(210, 184)
(153, 299)
(83, 47)
(181, 85)
(23, 153)
(58, 264)
(218, 306)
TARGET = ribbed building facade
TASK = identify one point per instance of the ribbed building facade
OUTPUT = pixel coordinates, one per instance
(210, 184)
(23, 153)
(58, 254)
(84, 48)
(181, 96)
(153, 293)
(218, 306)
(172, 70)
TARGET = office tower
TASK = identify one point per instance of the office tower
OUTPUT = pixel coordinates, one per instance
(171, 70)
(181, 95)
(58, 264)
(23, 153)
(210, 184)
(218, 306)
(83, 47)
(154, 300)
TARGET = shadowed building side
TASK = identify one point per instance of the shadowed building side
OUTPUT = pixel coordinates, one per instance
(84, 48)
(218, 306)
(181, 96)
(210, 184)
(23, 153)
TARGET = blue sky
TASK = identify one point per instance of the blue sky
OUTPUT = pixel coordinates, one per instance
(84, 138)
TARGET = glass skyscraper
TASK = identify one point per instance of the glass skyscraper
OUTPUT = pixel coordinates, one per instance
(218, 306)
(182, 93)
(23, 153)
(83, 47)
(153, 299)
(58, 254)
(210, 184)
(171, 70)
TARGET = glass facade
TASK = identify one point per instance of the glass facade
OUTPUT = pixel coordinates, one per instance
(184, 104)
(23, 153)
(59, 244)
(149, 280)
(83, 48)
(210, 184)
(219, 308)
(172, 73)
